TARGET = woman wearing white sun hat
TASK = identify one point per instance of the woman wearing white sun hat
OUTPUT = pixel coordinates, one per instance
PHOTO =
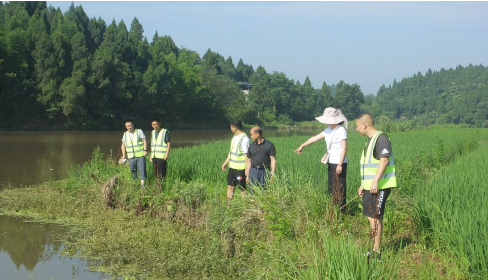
(336, 140)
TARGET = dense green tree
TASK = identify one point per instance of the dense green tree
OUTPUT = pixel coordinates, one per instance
(136, 31)
(228, 67)
(454, 95)
(243, 71)
(210, 62)
(96, 29)
(33, 7)
(349, 99)
(260, 97)
(73, 89)
(71, 71)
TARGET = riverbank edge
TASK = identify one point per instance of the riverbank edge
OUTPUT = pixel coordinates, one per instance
(90, 193)
(84, 227)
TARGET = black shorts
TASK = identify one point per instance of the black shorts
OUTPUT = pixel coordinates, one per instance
(374, 204)
(236, 177)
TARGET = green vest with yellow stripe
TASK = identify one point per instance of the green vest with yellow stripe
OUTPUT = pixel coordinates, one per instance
(369, 167)
(134, 146)
(158, 146)
(237, 157)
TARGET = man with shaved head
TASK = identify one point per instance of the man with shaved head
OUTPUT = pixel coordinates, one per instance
(260, 160)
(377, 177)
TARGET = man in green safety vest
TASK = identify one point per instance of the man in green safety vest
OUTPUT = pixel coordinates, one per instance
(134, 148)
(160, 146)
(377, 177)
(236, 159)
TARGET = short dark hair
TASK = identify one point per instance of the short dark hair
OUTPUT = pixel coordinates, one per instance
(237, 124)
(366, 115)
(155, 120)
(258, 130)
(129, 120)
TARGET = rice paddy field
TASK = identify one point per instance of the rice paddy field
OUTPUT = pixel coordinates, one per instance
(435, 224)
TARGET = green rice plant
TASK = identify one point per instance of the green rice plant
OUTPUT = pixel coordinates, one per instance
(337, 257)
(453, 207)
(255, 233)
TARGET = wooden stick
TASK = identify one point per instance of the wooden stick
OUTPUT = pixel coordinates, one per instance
(349, 202)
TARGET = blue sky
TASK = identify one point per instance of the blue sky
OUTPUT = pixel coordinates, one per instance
(367, 43)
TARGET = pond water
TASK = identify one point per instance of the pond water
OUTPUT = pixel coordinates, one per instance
(30, 250)
(37, 157)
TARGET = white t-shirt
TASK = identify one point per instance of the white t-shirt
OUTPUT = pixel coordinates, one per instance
(131, 135)
(339, 134)
(245, 144)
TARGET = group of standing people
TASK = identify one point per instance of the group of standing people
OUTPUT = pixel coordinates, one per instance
(254, 164)
(377, 167)
(134, 148)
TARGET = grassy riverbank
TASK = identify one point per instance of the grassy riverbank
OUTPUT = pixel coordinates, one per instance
(187, 231)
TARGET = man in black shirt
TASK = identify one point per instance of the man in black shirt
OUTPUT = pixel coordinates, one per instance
(260, 160)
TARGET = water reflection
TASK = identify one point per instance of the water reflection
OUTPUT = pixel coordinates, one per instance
(37, 157)
(23, 242)
(30, 250)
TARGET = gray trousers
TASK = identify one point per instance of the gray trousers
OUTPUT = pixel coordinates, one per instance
(257, 178)
(138, 163)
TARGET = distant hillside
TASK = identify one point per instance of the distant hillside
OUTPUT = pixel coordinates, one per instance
(458, 96)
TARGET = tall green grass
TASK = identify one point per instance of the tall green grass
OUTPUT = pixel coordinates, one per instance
(418, 154)
(453, 206)
(287, 231)
(340, 258)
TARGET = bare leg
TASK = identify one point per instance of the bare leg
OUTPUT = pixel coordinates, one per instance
(230, 192)
(243, 192)
(376, 228)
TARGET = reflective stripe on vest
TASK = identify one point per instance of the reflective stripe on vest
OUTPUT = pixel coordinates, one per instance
(158, 146)
(370, 165)
(134, 147)
(237, 157)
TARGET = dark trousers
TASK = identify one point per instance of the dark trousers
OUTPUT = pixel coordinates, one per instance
(337, 186)
(159, 167)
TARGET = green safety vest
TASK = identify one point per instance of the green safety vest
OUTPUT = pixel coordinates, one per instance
(134, 147)
(237, 157)
(158, 146)
(369, 167)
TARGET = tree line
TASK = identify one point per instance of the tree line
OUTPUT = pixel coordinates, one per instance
(68, 71)
(454, 96)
